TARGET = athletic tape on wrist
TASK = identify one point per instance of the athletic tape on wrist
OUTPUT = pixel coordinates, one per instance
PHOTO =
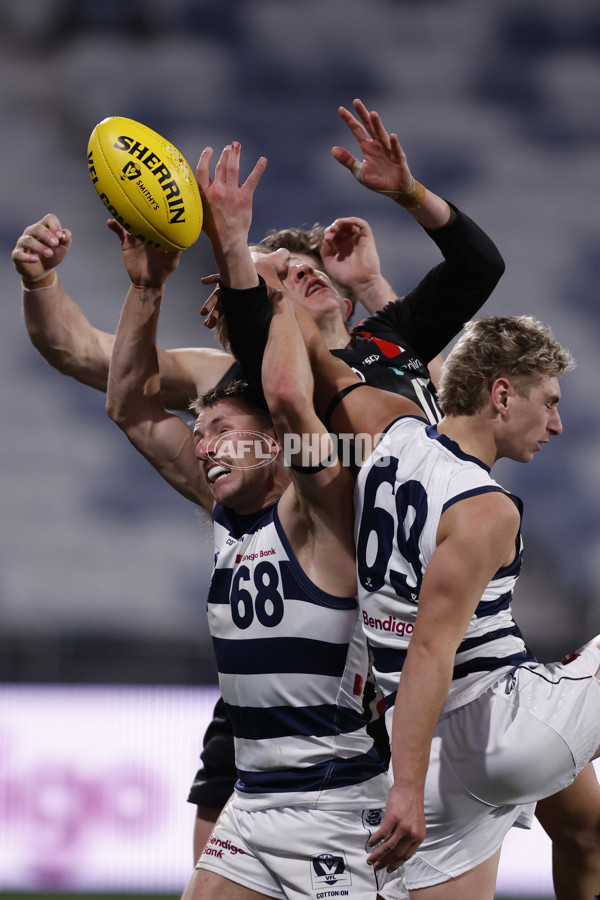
(410, 199)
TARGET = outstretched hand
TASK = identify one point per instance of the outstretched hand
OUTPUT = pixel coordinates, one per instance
(146, 266)
(227, 204)
(41, 248)
(384, 166)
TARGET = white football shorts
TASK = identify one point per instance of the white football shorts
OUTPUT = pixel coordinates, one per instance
(297, 852)
(525, 738)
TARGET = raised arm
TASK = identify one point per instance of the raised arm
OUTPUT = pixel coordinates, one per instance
(63, 335)
(317, 512)
(133, 398)
(453, 291)
(227, 219)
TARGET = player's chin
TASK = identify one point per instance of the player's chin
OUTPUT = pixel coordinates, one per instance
(222, 488)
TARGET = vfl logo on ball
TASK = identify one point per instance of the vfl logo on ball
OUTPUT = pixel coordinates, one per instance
(243, 449)
(329, 869)
(130, 171)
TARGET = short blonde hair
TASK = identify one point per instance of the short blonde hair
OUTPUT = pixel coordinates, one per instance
(515, 347)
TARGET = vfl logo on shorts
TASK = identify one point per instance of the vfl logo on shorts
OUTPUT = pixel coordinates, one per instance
(372, 818)
(329, 869)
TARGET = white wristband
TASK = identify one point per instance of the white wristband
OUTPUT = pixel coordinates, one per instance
(39, 278)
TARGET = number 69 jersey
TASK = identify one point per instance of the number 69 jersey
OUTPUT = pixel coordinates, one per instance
(411, 478)
(292, 661)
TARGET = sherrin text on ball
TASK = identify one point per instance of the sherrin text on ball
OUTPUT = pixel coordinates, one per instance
(145, 183)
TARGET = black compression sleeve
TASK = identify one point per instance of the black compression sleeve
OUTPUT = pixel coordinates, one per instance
(248, 316)
(434, 312)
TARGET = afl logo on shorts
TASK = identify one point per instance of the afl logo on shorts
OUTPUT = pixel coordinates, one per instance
(329, 869)
(569, 658)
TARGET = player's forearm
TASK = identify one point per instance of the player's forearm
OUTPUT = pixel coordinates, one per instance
(422, 692)
(374, 293)
(233, 259)
(248, 315)
(432, 212)
(286, 374)
(133, 381)
(469, 253)
(63, 335)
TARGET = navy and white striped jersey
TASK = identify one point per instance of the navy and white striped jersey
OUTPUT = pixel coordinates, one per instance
(410, 479)
(292, 662)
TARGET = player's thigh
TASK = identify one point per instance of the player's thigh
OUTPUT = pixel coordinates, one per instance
(476, 884)
(574, 809)
(205, 885)
(206, 816)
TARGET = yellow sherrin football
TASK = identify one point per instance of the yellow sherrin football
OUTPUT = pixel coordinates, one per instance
(145, 183)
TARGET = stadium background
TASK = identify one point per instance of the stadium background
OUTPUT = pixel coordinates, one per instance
(103, 569)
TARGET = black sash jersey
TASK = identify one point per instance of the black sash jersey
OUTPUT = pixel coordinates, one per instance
(377, 357)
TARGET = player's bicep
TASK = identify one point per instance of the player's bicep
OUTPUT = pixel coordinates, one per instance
(168, 445)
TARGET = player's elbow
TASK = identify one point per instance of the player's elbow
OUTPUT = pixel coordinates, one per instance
(115, 410)
(119, 406)
(55, 355)
(495, 268)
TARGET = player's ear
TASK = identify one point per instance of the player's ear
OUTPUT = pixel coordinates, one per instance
(347, 307)
(500, 394)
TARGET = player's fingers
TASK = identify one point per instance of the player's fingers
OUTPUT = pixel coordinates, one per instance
(358, 130)
(233, 162)
(210, 302)
(350, 225)
(397, 150)
(256, 174)
(378, 130)
(389, 852)
(51, 221)
(117, 229)
(210, 279)
(30, 246)
(223, 164)
(212, 318)
(401, 855)
(202, 174)
(42, 233)
(343, 157)
(364, 115)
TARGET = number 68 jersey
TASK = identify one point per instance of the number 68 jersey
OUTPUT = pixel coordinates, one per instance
(413, 475)
(292, 660)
